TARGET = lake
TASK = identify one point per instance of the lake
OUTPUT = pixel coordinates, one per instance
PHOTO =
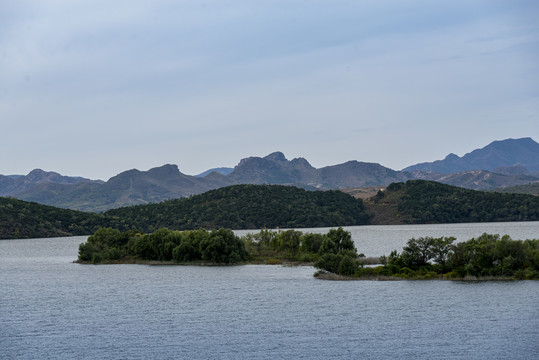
(377, 240)
(52, 308)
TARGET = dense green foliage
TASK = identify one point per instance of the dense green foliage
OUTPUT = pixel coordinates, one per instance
(421, 202)
(21, 219)
(216, 247)
(294, 246)
(334, 250)
(482, 257)
(248, 207)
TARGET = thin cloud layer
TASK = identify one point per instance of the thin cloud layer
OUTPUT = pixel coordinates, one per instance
(95, 88)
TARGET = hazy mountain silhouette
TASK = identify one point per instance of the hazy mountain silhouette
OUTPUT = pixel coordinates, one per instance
(499, 164)
(522, 152)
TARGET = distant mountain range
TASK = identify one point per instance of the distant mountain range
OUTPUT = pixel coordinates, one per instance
(476, 179)
(132, 187)
(500, 164)
(523, 153)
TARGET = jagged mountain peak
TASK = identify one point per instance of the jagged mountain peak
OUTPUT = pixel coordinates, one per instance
(40, 175)
(165, 170)
(276, 156)
(301, 162)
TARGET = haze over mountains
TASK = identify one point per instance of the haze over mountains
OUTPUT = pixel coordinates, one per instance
(522, 153)
(500, 164)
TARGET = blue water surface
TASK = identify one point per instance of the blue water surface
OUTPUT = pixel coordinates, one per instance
(52, 308)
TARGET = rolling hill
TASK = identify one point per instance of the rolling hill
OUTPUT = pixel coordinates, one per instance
(248, 207)
(429, 202)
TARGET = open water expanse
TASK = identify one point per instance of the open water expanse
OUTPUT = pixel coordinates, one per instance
(51, 308)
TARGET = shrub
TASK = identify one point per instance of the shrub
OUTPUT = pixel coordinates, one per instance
(97, 258)
(113, 254)
(329, 262)
(347, 266)
(309, 257)
(85, 251)
(310, 243)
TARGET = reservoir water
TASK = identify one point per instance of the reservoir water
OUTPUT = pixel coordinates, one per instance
(51, 308)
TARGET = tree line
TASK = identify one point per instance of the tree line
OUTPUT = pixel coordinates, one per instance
(487, 256)
(220, 246)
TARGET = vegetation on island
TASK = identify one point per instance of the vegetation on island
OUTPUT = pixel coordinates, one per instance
(213, 247)
(275, 247)
(485, 257)
(430, 202)
(221, 246)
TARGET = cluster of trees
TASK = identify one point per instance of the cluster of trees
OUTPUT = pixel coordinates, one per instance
(216, 247)
(248, 207)
(334, 250)
(484, 256)
(421, 258)
(420, 201)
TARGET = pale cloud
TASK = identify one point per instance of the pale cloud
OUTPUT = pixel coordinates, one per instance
(94, 88)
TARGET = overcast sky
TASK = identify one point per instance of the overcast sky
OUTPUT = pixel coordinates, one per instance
(93, 88)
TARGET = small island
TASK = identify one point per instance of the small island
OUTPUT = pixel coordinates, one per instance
(487, 257)
(215, 247)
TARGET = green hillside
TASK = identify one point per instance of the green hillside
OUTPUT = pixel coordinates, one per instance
(429, 202)
(275, 206)
(21, 219)
(235, 207)
(248, 207)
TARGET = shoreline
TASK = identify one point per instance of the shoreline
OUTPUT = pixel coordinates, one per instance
(319, 274)
(324, 275)
(132, 261)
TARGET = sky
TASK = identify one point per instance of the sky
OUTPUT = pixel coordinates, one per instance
(94, 88)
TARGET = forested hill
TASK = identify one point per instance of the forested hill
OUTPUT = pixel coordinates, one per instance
(248, 207)
(276, 206)
(235, 207)
(21, 219)
(429, 202)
